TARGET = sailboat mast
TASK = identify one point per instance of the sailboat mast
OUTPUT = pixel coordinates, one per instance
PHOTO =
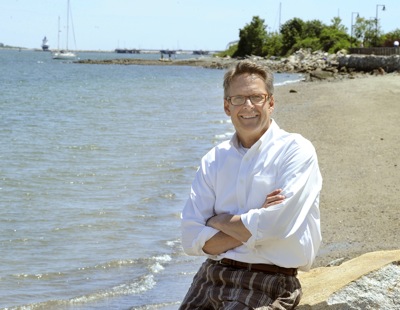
(67, 22)
(280, 15)
(58, 36)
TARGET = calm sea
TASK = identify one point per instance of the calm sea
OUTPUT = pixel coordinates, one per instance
(96, 163)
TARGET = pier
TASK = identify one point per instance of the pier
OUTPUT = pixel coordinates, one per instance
(127, 51)
(163, 52)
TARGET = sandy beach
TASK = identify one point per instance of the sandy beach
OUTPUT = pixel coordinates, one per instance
(354, 125)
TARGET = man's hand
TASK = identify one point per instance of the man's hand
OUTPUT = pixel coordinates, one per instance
(273, 198)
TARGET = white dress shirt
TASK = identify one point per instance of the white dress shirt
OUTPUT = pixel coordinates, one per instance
(232, 181)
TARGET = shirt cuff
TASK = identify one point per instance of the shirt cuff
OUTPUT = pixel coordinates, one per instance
(206, 234)
(250, 222)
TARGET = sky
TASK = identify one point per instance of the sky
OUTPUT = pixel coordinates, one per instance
(169, 24)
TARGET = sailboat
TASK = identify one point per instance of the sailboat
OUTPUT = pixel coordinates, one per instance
(64, 54)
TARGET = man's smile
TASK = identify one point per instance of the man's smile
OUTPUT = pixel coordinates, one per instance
(249, 116)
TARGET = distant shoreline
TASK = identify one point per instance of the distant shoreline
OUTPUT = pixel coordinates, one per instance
(315, 66)
(206, 62)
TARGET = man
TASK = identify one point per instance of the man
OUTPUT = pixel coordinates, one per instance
(253, 209)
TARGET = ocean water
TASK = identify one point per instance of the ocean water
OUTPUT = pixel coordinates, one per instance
(96, 163)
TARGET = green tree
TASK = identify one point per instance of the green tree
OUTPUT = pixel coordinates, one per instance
(337, 24)
(229, 52)
(334, 37)
(312, 29)
(291, 32)
(390, 37)
(365, 31)
(309, 37)
(252, 38)
(273, 45)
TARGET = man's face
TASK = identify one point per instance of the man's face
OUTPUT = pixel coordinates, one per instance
(251, 121)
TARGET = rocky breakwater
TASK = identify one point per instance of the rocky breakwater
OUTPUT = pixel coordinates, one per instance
(316, 65)
(320, 65)
(368, 63)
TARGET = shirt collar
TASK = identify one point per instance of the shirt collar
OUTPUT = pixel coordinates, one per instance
(263, 140)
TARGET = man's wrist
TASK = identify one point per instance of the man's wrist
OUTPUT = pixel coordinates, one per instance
(208, 220)
(217, 221)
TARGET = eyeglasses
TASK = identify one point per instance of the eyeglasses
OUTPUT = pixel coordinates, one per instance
(258, 99)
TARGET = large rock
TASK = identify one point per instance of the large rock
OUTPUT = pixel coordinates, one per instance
(370, 281)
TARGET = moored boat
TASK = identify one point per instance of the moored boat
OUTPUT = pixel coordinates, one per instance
(64, 54)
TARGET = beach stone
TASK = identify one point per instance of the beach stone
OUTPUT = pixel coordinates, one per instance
(370, 281)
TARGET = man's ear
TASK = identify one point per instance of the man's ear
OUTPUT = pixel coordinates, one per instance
(271, 103)
(227, 107)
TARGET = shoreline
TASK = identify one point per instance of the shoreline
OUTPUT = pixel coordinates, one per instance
(316, 66)
(205, 62)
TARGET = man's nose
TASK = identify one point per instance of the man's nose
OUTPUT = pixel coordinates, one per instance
(248, 101)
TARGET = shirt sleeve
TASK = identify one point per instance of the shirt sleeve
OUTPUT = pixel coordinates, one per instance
(198, 208)
(298, 215)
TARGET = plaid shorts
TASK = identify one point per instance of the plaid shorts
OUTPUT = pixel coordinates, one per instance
(216, 286)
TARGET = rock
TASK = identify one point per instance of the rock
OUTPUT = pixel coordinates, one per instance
(354, 284)
(378, 290)
(320, 74)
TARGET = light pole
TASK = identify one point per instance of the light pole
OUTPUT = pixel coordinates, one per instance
(351, 35)
(376, 19)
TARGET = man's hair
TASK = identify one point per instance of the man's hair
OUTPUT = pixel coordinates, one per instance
(249, 67)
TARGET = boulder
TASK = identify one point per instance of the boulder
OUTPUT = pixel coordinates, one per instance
(370, 281)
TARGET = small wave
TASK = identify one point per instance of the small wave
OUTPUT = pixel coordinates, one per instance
(174, 243)
(156, 268)
(145, 283)
(299, 79)
(226, 135)
(139, 286)
(153, 264)
(40, 276)
(222, 121)
(163, 258)
(129, 262)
